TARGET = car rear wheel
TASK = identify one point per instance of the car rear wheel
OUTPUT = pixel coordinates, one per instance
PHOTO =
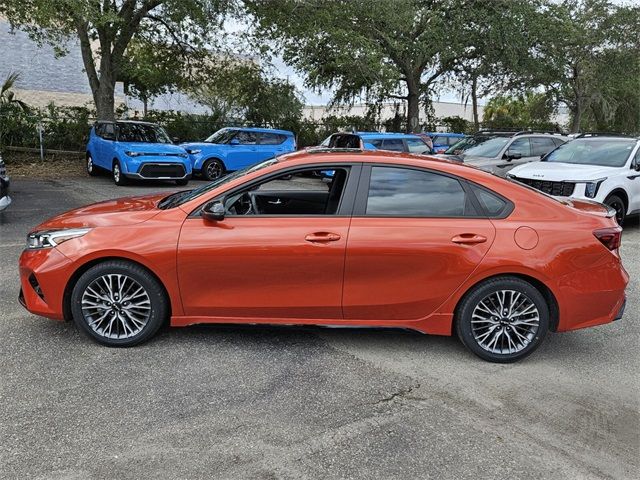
(212, 169)
(615, 202)
(92, 170)
(503, 319)
(119, 304)
(118, 178)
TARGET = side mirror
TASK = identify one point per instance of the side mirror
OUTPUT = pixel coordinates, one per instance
(234, 141)
(213, 211)
(512, 156)
(636, 167)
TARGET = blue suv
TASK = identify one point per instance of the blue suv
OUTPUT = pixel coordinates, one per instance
(442, 141)
(231, 149)
(399, 142)
(136, 150)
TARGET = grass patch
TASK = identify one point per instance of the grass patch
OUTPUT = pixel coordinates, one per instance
(54, 165)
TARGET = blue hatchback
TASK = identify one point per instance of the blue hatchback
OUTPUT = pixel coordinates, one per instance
(231, 149)
(136, 150)
(398, 142)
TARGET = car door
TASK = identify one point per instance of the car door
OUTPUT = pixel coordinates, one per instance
(243, 150)
(519, 146)
(270, 145)
(106, 145)
(633, 178)
(415, 237)
(286, 265)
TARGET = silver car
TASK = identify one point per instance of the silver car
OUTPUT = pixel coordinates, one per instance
(498, 155)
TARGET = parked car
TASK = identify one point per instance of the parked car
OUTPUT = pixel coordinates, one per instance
(476, 139)
(136, 150)
(598, 167)
(397, 142)
(498, 155)
(5, 199)
(442, 141)
(394, 240)
(231, 149)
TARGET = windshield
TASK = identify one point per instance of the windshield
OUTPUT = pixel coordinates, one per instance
(606, 152)
(489, 149)
(465, 144)
(142, 132)
(187, 195)
(223, 135)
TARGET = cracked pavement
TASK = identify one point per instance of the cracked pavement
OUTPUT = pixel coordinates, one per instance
(298, 402)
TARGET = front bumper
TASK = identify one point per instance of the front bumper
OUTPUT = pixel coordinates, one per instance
(44, 275)
(5, 199)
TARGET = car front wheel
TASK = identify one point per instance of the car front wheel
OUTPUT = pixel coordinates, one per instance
(119, 304)
(503, 319)
(212, 169)
(118, 178)
(91, 168)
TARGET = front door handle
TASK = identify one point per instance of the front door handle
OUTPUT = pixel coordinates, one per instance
(469, 239)
(322, 237)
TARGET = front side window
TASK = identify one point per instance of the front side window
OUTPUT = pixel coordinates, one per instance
(415, 193)
(246, 138)
(306, 192)
(521, 146)
(393, 144)
(417, 145)
(606, 152)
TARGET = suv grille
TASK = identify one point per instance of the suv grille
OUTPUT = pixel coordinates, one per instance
(162, 170)
(559, 189)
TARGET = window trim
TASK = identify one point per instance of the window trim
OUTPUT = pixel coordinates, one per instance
(345, 209)
(362, 194)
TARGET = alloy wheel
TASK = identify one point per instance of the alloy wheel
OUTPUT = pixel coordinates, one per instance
(214, 170)
(505, 322)
(116, 306)
(116, 173)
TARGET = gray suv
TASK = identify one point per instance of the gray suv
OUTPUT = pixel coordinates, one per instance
(498, 155)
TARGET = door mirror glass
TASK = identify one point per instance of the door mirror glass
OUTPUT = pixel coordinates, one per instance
(213, 211)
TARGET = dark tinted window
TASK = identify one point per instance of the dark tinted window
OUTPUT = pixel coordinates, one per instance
(99, 129)
(246, 138)
(407, 192)
(521, 146)
(140, 132)
(395, 144)
(493, 204)
(541, 146)
(271, 138)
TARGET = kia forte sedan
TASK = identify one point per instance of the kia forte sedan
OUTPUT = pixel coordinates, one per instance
(388, 240)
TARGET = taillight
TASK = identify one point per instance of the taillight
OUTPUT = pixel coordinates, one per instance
(609, 237)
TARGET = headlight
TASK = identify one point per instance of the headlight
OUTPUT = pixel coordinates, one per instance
(52, 238)
(193, 152)
(591, 188)
(134, 154)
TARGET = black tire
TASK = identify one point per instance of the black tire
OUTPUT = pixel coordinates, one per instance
(92, 170)
(117, 175)
(614, 201)
(183, 182)
(91, 286)
(212, 169)
(503, 328)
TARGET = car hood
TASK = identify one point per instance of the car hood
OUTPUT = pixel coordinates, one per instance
(556, 171)
(111, 213)
(155, 148)
(477, 161)
(200, 145)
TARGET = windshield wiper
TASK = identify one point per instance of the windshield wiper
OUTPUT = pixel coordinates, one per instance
(173, 199)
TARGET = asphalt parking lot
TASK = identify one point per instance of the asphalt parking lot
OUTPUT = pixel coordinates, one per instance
(262, 402)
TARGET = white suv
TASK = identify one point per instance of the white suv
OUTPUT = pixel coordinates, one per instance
(600, 167)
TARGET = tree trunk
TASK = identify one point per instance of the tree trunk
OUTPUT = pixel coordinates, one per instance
(577, 116)
(145, 106)
(104, 100)
(474, 102)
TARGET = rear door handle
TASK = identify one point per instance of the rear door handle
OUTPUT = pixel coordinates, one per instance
(322, 237)
(469, 239)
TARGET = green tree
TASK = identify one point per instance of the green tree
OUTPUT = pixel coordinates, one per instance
(8, 98)
(529, 110)
(381, 49)
(105, 30)
(574, 49)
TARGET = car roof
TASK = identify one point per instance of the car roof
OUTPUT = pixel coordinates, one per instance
(262, 130)
(446, 134)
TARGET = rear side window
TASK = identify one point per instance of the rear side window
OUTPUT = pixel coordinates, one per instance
(405, 192)
(271, 138)
(541, 146)
(493, 205)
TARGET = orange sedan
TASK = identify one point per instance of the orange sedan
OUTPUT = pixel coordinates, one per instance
(344, 237)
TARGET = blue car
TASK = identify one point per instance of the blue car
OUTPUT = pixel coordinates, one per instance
(399, 142)
(231, 149)
(136, 150)
(442, 141)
